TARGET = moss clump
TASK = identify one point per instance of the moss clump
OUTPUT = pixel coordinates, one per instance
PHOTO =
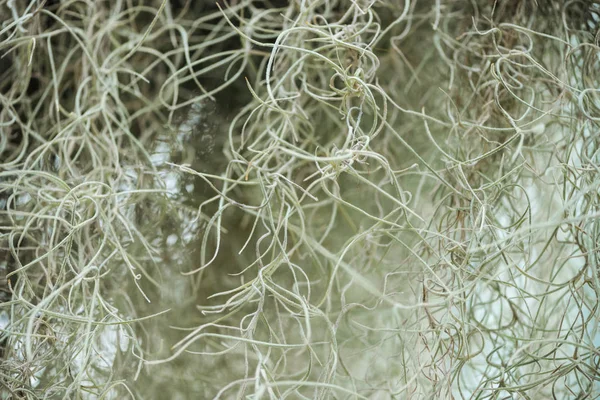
(304, 199)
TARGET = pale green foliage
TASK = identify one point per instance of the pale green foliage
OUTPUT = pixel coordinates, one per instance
(308, 199)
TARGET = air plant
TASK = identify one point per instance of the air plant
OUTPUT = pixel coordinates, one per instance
(303, 199)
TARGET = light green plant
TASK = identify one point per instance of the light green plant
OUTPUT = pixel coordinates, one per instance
(305, 199)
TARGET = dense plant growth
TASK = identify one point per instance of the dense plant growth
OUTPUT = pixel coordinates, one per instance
(299, 199)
